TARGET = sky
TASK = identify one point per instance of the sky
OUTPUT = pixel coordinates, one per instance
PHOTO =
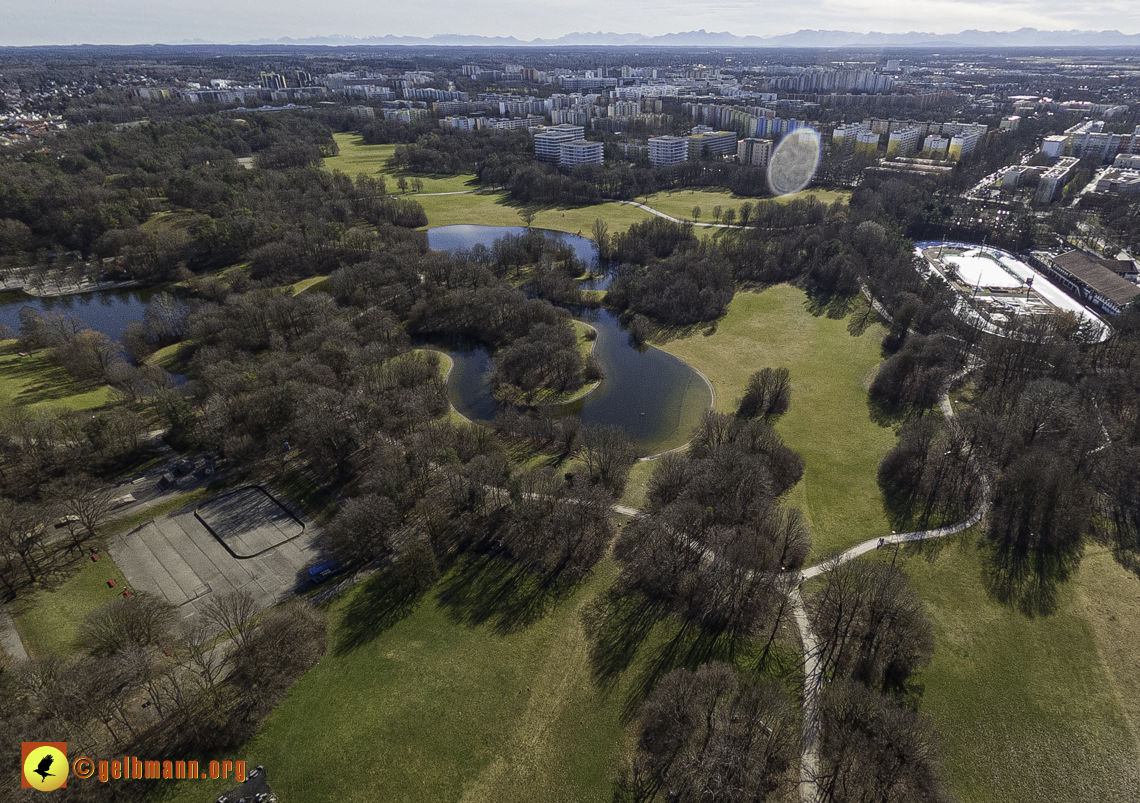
(62, 22)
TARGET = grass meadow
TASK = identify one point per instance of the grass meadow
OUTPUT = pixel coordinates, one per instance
(830, 422)
(1035, 698)
(35, 381)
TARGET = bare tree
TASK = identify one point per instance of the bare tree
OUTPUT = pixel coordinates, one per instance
(601, 235)
(21, 534)
(609, 453)
(140, 619)
(871, 626)
(875, 750)
(231, 613)
(711, 735)
(769, 393)
(90, 502)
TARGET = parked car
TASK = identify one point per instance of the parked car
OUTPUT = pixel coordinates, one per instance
(165, 481)
(323, 571)
(183, 467)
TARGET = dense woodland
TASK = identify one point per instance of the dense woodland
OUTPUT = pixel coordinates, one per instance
(1050, 431)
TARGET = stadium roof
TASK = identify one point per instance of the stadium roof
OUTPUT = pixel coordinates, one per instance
(1098, 274)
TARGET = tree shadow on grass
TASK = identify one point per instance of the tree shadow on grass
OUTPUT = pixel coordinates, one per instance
(885, 414)
(1027, 580)
(497, 592)
(689, 648)
(618, 625)
(41, 381)
(383, 601)
(835, 307)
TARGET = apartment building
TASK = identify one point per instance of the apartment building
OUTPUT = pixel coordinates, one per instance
(548, 141)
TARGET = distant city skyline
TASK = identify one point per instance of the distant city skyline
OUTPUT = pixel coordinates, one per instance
(67, 22)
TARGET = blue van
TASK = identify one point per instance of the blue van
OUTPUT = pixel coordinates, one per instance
(323, 571)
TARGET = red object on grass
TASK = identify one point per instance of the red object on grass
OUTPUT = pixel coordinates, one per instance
(127, 592)
(110, 584)
(94, 557)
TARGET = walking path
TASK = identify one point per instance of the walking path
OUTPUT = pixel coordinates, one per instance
(813, 668)
(10, 641)
(659, 213)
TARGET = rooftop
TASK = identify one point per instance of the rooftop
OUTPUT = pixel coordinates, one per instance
(1099, 274)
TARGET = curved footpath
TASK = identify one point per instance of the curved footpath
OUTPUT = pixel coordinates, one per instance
(659, 213)
(813, 668)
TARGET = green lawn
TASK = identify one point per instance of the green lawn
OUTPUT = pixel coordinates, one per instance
(48, 620)
(355, 158)
(311, 284)
(829, 422)
(496, 209)
(36, 382)
(173, 220)
(440, 704)
(680, 203)
(482, 691)
(1032, 708)
(174, 358)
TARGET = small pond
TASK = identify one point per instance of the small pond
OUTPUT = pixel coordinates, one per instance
(452, 238)
(653, 396)
(106, 311)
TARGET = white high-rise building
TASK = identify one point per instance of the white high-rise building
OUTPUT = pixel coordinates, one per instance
(548, 141)
(579, 152)
(665, 151)
(904, 141)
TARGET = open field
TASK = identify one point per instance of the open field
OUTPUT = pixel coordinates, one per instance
(829, 422)
(680, 203)
(433, 703)
(311, 284)
(36, 382)
(172, 220)
(1031, 708)
(49, 619)
(480, 691)
(372, 160)
(496, 209)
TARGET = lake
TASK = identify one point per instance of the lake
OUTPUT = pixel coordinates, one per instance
(655, 397)
(106, 311)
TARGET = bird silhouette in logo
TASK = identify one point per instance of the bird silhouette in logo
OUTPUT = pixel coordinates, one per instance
(43, 767)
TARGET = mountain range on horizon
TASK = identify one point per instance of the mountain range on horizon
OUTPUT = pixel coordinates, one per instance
(1024, 37)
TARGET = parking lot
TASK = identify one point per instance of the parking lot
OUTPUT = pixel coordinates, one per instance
(262, 545)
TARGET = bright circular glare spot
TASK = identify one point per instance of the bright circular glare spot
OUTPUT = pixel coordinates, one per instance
(793, 164)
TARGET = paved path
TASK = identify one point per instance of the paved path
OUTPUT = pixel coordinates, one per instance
(813, 669)
(10, 641)
(659, 213)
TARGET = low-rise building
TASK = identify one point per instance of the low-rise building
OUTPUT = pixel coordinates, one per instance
(1054, 179)
(1091, 278)
(1124, 182)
